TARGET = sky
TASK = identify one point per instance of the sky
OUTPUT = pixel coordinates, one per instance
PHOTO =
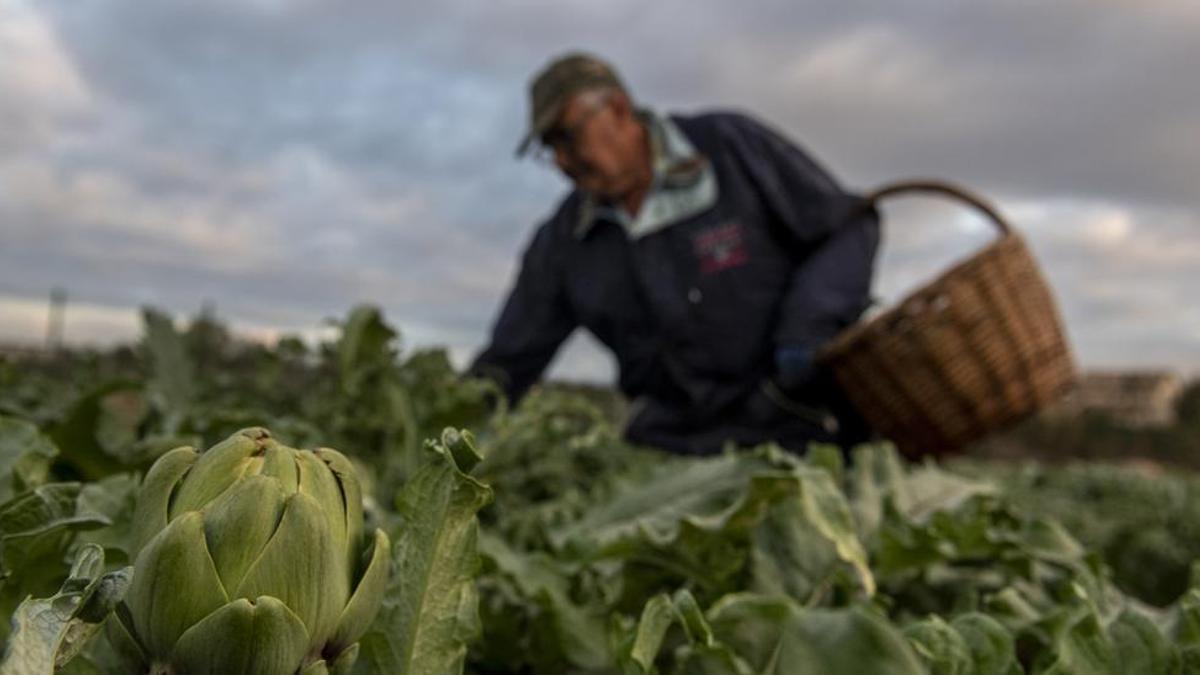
(284, 161)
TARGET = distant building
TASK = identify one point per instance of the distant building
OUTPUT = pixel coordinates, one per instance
(1136, 398)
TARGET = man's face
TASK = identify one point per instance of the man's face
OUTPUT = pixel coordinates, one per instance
(596, 143)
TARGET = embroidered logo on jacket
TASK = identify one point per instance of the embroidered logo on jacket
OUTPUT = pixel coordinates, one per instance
(721, 247)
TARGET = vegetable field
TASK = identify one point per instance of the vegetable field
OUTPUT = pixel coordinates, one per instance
(447, 533)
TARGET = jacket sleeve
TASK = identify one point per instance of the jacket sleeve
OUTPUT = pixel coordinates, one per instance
(834, 253)
(532, 325)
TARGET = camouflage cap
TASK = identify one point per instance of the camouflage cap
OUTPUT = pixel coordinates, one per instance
(554, 85)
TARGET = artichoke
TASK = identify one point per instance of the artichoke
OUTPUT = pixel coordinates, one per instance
(250, 559)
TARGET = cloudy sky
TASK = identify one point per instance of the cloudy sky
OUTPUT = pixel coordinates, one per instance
(286, 160)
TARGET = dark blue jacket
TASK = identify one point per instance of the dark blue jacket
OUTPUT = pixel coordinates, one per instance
(694, 311)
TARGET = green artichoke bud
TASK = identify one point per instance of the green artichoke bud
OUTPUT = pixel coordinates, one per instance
(250, 559)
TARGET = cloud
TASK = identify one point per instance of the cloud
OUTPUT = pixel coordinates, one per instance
(287, 160)
(40, 83)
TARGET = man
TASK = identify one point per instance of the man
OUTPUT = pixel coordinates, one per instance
(712, 256)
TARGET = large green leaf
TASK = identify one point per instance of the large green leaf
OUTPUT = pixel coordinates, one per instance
(790, 556)
(365, 347)
(991, 645)
(78, 434)
(826, 509)
(1141, 648)
(173, 376)
(928, 489)
(853, 640)
(694, 521)
(658, 616)
(877, 473)
(972, 644)
(33, 523)
(36, 529)
(699, 648)
(113, 498)
(705, 493)
(1080, 645)
(578, 633)
(25, 457)
(879, 479)
(943, 650)
(774, 635)
(430, 610)
(1184, 629)
(49, 632)
(800, 546)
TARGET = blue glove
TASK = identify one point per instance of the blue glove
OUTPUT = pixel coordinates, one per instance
(794, 366)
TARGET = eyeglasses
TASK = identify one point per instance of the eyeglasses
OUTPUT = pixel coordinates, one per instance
(566, 137)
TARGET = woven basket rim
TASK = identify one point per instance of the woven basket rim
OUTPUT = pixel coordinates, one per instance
(1004, 244)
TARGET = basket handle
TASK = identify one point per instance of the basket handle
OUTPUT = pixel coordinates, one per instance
(939, 187)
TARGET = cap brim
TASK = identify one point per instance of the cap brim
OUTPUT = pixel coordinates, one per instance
(523, 147)
(540, 126)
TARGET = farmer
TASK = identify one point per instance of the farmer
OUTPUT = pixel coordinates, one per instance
(709, 253)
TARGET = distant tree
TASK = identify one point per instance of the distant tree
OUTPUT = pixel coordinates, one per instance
(208, 339)
(291, 346)
(1187, 409)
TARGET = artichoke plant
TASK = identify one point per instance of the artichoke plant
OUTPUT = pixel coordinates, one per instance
(250, 559)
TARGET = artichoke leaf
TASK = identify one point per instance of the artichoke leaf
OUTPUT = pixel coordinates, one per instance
(217, 468)
(120, 633)
(279, 462)
(344, 662)
(263, 637)
(238, 525)
(301, 567)
(153, 505)
(340, 665)
(347, 477)
(317, 481)
(367, 598)
(175, 586)
(316, 668)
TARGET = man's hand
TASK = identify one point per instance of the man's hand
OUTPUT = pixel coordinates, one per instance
(794, 366)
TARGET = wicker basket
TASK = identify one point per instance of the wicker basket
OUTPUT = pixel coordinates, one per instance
(975, 350)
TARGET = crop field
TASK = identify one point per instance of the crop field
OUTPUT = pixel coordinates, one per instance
(161, 512)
